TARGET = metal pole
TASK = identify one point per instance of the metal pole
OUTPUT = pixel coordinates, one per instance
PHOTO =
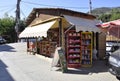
(118, 35)
(90, 5)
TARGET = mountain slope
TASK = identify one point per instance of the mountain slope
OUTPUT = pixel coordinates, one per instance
(107, 14)
(104, 10)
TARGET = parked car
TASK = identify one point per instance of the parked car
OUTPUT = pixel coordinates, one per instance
(109, 51)
(2, 40)
(111, 46)
(114, 61)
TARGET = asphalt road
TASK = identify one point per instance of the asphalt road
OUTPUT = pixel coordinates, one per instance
(18, 65)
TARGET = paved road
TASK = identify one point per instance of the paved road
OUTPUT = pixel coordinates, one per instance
(17, 65)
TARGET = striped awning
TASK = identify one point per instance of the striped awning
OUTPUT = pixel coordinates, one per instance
(108, 24)
(111, 27)
(37, 31)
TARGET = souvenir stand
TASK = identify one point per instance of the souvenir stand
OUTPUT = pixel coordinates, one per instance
(73, 34)
(48, 45)
(78, 49)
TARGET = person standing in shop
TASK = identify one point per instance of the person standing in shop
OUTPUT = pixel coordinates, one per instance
(94, 53)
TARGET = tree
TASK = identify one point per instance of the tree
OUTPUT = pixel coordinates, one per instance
(104, 17)
(113, 15)
(7, 27)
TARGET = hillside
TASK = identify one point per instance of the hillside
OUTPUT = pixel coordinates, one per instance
(107, 14)
(104, 10)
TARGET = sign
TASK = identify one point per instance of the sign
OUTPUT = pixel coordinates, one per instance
(62, 60)
(59, 56)
(55, 58)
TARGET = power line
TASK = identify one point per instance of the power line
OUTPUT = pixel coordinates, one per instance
(23, 13)
(7, 10)
(4, 8)
(54, 5)
(7, 5)
(11, 9)
(27, 5)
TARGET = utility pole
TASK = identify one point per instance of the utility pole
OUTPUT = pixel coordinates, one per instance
(90, 5)
(17, 20)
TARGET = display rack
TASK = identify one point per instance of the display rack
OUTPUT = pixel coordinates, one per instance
(47, 48)
(86, 48)
(79, 49)
(73, 49)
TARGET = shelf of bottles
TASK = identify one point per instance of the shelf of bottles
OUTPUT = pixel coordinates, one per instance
(73, 49)
(86, 48)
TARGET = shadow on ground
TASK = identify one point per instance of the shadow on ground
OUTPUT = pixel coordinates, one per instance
(4, 74)
(6, 48)
(99, 66)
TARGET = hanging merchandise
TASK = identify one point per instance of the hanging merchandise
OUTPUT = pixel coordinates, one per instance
(78, 49)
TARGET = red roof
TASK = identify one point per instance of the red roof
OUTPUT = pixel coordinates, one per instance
(115, 22)
(107, 24)
(113, 27)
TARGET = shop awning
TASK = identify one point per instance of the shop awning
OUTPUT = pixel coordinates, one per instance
(108, 24)
(82, 24)
(111, 27)
(37, 31)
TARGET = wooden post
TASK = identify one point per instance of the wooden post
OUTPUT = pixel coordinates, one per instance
(27, 44)
(17, 20)
(60, 32)
(36, 46)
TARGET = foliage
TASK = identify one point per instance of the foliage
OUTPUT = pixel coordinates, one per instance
(100, 11)
(115, 14)
(107, 14)
(7, 28)
(104, 17)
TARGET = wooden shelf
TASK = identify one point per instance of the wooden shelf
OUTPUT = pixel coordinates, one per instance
(86, 59)
(73, 49)
(47, 48)
(73, 46)
(73, 57)
(79, 45)
(73, 65)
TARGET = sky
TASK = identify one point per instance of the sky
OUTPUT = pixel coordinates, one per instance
(26, 6)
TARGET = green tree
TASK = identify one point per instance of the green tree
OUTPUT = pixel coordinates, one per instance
(113, 15)
(7, 27)
(104, 17)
